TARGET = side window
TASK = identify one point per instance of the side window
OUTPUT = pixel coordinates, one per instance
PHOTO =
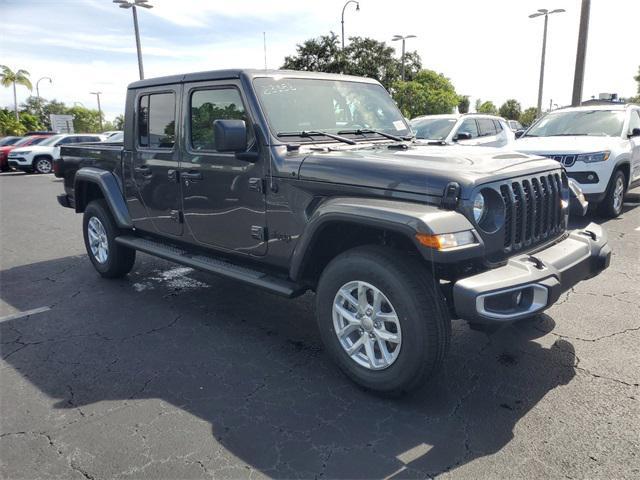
(634, 121)
(498, 126)
(66, 140)
(469, 126)
(156, 120)
(210, 105)
(486, 127)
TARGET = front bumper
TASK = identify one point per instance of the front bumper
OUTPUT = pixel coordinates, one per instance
(531, 283)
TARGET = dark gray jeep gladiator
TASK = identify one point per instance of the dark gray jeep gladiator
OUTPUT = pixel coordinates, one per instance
(294, 181)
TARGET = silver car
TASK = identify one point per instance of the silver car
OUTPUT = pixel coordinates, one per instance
(463, 129)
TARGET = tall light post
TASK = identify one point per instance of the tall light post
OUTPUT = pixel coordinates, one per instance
(97, 94)
(581, 54)
(546, 13)
(38, 93)
(132, 4)
(343, 9)
(403, 38)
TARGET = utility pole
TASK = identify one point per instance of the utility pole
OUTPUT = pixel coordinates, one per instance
(97, 94)
(546, 13)
(581, 54)
(38, 94)
(343, 8)
(403, 38)
(132, 4)
(264, 44)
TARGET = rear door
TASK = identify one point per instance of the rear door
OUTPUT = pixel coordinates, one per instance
(223, 199)
(155, 203)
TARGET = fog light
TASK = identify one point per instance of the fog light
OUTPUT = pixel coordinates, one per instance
(590, 177)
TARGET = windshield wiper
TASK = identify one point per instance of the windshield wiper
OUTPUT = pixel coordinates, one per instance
(364, 131)
(313, 133)
(568, 135)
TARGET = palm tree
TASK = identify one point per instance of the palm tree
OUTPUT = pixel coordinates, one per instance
(8, 77)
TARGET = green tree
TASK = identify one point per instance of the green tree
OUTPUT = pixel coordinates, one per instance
(364, 57)
(118, 122)
(320, 54)
(528, 116)
(636, 99)
(85, 120)
(8, 123)
(429, 93)
(463, 104)
(511, 109)
(487, 107)
(8, 78)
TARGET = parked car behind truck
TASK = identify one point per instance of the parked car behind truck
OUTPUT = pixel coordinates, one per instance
(598, 145)
(297, 181)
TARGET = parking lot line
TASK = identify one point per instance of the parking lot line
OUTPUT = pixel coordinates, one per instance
(26, 313)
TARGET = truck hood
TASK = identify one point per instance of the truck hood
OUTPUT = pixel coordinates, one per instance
(561, 145)
(420, 169)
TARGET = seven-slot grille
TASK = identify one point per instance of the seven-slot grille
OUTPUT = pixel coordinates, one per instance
(533, 210)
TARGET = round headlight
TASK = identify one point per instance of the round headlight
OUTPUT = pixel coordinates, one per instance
(479, 207)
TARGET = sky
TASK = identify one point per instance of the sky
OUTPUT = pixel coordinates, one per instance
(489, 49)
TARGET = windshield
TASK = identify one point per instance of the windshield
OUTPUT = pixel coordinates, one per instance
(297, 105)
(597, 123)
(9, 141)
(51, 140)
(29, 141)
(433, 128)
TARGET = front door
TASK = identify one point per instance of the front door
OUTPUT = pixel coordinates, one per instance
(155, 203)
(634, 122)
(223, 202)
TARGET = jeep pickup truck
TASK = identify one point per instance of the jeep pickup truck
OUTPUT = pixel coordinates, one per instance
(298, 181)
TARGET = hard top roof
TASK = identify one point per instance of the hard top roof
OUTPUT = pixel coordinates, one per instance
(238, 73)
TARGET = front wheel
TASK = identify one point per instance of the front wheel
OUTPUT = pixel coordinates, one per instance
(612, 204)
(100, 231)
(383, 318)
(43, 165)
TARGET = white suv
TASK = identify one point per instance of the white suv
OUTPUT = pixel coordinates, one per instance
(39, 158)
(598, 145)
(463, 129)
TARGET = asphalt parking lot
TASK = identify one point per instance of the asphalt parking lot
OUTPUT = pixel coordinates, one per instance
(171, 373)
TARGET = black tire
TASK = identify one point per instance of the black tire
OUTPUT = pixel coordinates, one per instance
(43, 165)
(119, 259)
(420, 307)
(609, 207)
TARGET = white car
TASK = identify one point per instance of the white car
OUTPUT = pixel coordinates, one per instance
(39, 158)
(598, 145)
(463, 129)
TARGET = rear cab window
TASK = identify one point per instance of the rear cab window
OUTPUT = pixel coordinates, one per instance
(156, 120)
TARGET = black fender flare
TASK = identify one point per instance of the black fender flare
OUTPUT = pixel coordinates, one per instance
(111, 191)
(405, 218)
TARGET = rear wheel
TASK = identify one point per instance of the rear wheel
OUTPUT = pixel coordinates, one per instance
(100, 231)
(612, 204)
(43, 165)
(382, 319)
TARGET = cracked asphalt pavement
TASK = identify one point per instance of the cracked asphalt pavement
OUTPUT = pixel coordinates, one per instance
(171, 373)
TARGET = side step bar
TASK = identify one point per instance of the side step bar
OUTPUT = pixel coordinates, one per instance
(213, 265)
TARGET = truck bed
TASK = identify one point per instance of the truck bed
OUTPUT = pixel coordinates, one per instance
(102, 155)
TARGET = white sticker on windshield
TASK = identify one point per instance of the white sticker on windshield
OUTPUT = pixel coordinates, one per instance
(399, 124)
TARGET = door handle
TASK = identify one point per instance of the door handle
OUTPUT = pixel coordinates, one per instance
(145, 170)
(192, 175)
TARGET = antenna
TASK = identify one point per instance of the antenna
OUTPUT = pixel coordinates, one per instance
(264, 43)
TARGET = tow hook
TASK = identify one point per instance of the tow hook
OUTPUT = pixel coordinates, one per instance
(536, 262)
(589, 233)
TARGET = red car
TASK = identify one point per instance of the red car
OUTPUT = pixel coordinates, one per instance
(23, 142)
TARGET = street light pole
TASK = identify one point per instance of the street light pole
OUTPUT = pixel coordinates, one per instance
(546, 13)
(132, 4)
(343, 9)
(38, 93)
(581, 54)
(403, 38)
(97, 94)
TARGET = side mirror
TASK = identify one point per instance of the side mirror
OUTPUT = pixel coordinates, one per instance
(230, 135)
(635, 133)
(462, 136)
(519, 133)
